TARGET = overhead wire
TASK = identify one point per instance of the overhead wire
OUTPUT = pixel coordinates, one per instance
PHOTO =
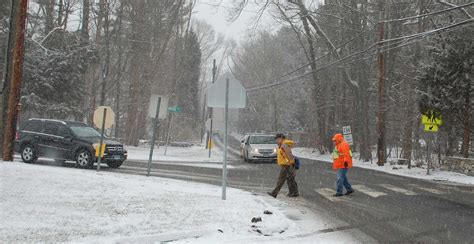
(400, 39)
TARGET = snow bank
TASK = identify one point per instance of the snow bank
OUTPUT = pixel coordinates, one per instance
(175, 154)
(53, 204)
(402, 170)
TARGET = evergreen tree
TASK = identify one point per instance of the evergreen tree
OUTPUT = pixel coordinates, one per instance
(448, 80)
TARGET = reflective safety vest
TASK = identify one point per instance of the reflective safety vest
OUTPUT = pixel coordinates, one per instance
(342, 156)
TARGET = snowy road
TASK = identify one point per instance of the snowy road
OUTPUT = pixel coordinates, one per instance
(387, 208)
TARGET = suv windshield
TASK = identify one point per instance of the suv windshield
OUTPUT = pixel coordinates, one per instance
(84, 131)
(262, 140)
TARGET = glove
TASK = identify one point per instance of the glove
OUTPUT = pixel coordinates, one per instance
(346, 165)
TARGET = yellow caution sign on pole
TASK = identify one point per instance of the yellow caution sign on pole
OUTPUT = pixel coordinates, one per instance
(210, 144)
(431, 122)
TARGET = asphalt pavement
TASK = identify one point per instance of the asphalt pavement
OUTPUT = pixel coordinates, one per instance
(386, 207)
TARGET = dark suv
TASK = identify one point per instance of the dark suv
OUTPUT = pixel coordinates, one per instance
(66, 140)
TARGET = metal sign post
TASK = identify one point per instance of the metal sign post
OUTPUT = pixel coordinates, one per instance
(101, 152)
(226, 111)
(153, 137)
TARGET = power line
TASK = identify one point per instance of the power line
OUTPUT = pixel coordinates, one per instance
(388, 40)
(319, 58)
(428, 32)
(428, 14)
(362, 52)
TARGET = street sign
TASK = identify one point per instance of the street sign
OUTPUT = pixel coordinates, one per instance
(348, 138)
(99, 116)
(163, 107)
(104, 118)
(431, 120)
(174, 109)
(216, 94)
(347, 132)
(226, 93)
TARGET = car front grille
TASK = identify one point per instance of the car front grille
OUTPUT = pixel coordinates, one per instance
(265, 151)
(114, 149)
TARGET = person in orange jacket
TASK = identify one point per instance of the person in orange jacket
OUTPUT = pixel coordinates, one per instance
(342, 161)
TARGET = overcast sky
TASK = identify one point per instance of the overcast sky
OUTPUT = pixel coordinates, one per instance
(216, 13)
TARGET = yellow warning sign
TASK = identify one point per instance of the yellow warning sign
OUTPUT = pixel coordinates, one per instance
(431, 120)
(431, 128)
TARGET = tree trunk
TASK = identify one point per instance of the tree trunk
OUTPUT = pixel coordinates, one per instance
(60, 13)
(467, 124)
(49, 18)
(316, 87)
(85, 21)
(381, 146)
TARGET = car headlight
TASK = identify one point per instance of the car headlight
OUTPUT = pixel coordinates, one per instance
(274, 150)
(256, 150)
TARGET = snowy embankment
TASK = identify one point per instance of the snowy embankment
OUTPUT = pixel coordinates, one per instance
(402, 170)
(193, 154)
(52, 204)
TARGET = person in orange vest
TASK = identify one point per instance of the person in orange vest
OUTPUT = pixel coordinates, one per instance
(286, 161)
(342, 161)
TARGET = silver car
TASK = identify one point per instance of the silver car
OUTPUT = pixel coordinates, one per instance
(258, 147)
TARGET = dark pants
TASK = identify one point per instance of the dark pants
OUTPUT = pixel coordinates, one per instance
(342, 181)
(287, 173)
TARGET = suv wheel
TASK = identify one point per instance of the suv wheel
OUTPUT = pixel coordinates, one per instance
(84, 159)
(28, 154)
(115, 164)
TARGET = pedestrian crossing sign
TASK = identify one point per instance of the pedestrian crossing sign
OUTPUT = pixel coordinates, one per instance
(431, 119)
(431, 128)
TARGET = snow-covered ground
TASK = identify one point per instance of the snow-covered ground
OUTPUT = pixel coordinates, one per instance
(176, 154)
(414, 172)
(53, 204)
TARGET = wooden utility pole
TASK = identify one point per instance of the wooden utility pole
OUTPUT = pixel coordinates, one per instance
(4, 87)
(381, 147)
(15, 81)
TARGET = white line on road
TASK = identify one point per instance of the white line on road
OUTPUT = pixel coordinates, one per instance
(328, 193)
(398, 189)
(368, 191)
(434, 191)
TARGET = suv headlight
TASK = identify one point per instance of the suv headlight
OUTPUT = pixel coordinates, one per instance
(256, 150)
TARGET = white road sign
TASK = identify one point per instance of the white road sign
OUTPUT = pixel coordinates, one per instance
(348, 138)
(216, 93)
(163, 107)
(99, 117)
(346, 130)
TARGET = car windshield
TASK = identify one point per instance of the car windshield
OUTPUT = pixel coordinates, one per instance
(262, 140)
(85, 131)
